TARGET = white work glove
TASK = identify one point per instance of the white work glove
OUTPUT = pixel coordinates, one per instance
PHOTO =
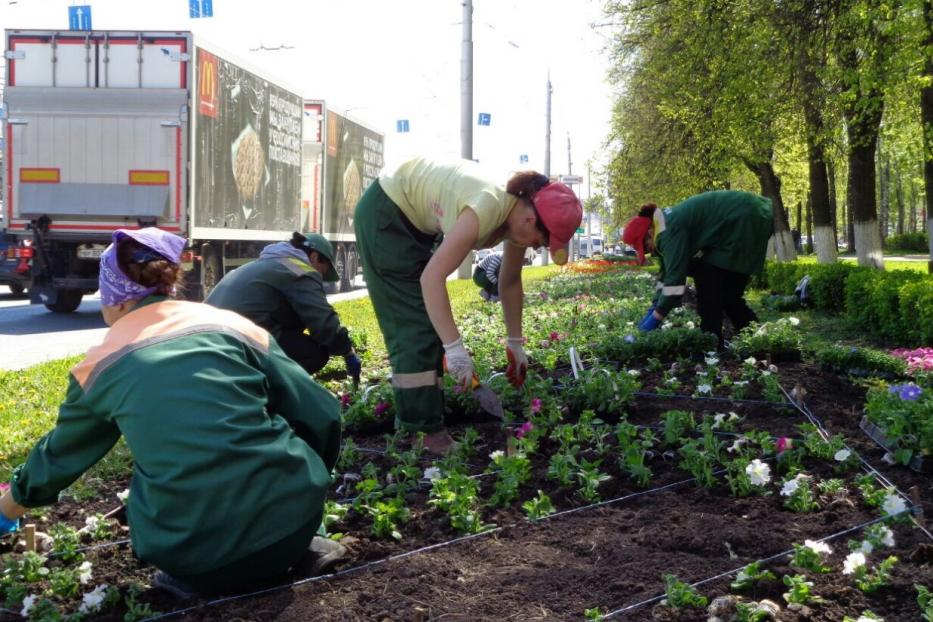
(458, 362)
(518, 361)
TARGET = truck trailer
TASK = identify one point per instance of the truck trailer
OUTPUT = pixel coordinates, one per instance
(126, 129)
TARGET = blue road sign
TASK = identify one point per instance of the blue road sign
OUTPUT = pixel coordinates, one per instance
(200, 8)
(79, 17)
(401, 125)
(523, 159)
(484, 118)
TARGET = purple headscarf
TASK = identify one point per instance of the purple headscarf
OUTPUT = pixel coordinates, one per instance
(117, 287)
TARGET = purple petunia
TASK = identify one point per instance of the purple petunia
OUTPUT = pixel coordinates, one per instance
(380, 409)
(524, 429)
(536, 404)
(911, 392)
(345, 400)
(629, 339)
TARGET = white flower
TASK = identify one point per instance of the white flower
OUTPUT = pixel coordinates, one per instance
(893, 504)
(691, 325)
(773, 369)
(793, 321)
(28, 603)
(765, 372)
(737, 444)
(759, 473)
(887, 538)
(91, 523)
(666, 326)
(92, 600)
(842, 455)
(123, 496)
(496, 455)
(432, 473)
(817, 547)
(791, 485)
(704, 388)
(711, 360)
(750, 361)
(634, 373)
(869, 619)
(84, 573)
(866, 547)
(732, 416)
(853, 562)
(740, 383)
(718, 418)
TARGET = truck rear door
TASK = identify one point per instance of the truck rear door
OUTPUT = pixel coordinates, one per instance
(96, 130)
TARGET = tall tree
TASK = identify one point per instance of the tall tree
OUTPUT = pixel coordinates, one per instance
(926, 114)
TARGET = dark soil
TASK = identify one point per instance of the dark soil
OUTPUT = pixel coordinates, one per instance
(612, 556)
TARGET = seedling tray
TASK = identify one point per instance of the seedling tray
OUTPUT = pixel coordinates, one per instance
(917, 463)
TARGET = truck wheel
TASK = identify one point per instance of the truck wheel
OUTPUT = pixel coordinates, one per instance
(67, 301)
(212, 268)
(17, 289)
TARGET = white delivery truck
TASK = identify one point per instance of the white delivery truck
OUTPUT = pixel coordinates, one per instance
(125, 129)
(341, 157)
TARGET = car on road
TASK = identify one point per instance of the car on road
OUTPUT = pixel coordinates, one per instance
(14, 265)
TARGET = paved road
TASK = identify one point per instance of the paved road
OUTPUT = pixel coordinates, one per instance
(30, 334)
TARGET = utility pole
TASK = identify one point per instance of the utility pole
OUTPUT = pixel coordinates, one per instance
(466, 107)
(576, 236)
(547, 149)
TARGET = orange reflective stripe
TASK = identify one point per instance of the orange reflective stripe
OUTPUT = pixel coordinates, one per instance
(149, 178)
(40, 175)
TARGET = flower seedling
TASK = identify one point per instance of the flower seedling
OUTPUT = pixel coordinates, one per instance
(799, 592)
(867, 616)
(593, 615)
(65, 542)
(675, 426)
(562, 468)
(512, 472)
(751, 612)
(456, 495)
(334, 513)
(894, 506)
(634, 448)
(799, 495)
(865, 579)
(925, 601)
(809, 556)
(136, 610)
(349, 455)
(97, 527)
(538, 507)
(590, 478)
(387, 516)
(750, 576)
(680, 595)
(746, 477)
(698, 462)
(872, 495)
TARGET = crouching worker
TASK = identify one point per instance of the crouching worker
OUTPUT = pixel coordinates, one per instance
(486, 275)
(232, 442)
(719, 238)
(284, 293)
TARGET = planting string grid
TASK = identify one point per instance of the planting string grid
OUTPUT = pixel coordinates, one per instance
(619, 611)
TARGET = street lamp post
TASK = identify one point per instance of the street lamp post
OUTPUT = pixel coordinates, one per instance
(466, 107)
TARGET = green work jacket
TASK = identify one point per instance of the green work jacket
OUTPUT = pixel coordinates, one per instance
(729, 229)
(283, 294)
(233, 444)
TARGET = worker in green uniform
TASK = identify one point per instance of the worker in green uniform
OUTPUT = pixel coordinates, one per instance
(233, 443)
(416, 226)
(720, 238)
(486, 275)
(283, 291)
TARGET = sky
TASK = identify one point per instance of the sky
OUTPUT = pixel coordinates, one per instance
(385, 60)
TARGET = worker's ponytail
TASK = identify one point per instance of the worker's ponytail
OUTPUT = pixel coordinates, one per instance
(647, 210)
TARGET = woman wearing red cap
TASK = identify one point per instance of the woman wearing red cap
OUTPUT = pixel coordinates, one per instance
(719, 238)
(416, 226)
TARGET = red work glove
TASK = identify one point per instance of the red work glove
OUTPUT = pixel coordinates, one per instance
(518, 361)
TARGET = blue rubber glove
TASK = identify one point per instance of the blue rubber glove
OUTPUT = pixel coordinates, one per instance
(354, 365)
(8, 525)
(649, 322)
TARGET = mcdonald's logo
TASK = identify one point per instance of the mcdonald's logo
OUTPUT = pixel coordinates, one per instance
(208, 101)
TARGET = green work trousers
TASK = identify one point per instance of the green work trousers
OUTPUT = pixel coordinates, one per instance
(394, 254)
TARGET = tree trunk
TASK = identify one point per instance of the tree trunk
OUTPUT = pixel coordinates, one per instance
(884, 194)
(861, 194)
(899, 197)
(809, 247)
(771, 188)
(833, 205)
(912, 213)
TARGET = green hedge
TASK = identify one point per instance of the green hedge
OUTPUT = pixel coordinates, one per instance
(918, 242)
(894, 305)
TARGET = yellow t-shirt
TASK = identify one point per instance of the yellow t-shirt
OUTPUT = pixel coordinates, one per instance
(433, 194)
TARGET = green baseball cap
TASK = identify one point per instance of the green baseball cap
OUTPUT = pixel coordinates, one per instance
(317, 242)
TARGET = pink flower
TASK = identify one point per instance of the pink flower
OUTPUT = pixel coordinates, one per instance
(4, 488)
(783, 444)
(345, 400)
(554, 336)
(380, 409)
(536, 405)
(524, 429)
(543, 296)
